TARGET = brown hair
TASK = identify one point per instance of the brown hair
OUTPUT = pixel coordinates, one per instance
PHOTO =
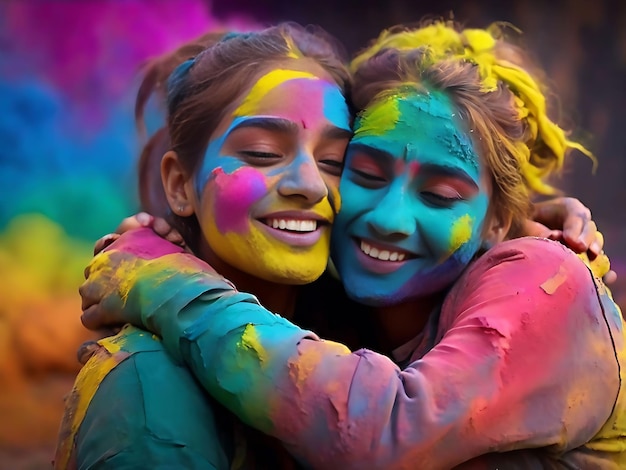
(200, 80)
(497, 90)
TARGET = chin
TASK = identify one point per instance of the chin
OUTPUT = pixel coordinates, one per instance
(370, 297)
(294, 278)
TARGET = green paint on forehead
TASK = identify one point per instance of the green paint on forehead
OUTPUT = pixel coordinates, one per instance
(379, 117)
(404, 117)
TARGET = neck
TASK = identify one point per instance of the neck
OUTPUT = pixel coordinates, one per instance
(398, 324)
(277, 298)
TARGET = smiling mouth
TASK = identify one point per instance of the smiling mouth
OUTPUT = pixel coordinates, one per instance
(384, 254)
(292, 225)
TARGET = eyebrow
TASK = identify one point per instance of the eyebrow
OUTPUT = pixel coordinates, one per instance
(428, 169)
(432, 169)
(286, 126)
(373, 152)
(336, 133)
(269, 123)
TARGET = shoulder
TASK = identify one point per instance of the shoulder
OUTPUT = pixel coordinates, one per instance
(165, 412)
(531, 261)
(528, 248)
(526, 276)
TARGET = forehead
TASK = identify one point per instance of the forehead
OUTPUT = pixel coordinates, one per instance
(423, 127)
(296, 95)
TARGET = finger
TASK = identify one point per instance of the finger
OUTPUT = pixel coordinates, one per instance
(92, 318)
(139, 220)
(87, 295)
(531, 228)
(92, 292)
(576, 230)
(175, 237)
(588, 238)
(86, 351)
(161, 226)
(569, 214)
(610, 277)
(104, 242)
(550, 213)
(103, 313)
(595, 248)
(556, 235)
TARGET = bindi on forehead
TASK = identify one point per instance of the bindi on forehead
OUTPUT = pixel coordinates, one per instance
(406, 166)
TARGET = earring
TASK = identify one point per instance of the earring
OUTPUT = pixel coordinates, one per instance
(181, 208)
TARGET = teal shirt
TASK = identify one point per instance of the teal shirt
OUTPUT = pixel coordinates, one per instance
(142, 410)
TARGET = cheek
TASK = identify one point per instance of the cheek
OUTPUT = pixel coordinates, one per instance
(232, 197)
(334, 196)
(461, 231)
(464, 232)
(354, 198)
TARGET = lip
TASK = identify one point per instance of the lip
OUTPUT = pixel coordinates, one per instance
(379, 266)
(292, 238)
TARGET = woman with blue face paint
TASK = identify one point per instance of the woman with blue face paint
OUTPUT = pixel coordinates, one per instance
(506, 346)
(257, 127)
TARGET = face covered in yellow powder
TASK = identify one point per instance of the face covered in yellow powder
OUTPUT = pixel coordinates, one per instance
(268, 184)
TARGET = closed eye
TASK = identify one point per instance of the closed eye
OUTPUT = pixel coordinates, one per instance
(334, 167)
(255, 154)
(368, 176)
(439, 200)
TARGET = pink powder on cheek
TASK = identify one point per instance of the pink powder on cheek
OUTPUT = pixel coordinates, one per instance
(233, 196)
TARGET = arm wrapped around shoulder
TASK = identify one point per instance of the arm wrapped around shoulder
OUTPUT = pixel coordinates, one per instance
(532, 314)
(140, 275)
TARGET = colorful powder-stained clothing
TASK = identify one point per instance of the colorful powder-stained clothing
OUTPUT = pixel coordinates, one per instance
(527, 353)
(132, 406)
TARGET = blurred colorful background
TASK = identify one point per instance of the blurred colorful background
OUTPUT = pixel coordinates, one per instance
(68, 148)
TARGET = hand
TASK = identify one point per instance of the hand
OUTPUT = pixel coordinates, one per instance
(142, 219)
(569, 221)
(112, 273)
(138, 274)
(89, 348)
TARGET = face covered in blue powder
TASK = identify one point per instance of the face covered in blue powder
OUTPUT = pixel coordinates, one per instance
(414, 200)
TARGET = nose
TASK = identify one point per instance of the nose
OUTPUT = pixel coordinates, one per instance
(392, 217)
(302, 178)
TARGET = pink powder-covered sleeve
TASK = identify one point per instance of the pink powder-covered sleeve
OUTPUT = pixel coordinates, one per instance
(524, 358)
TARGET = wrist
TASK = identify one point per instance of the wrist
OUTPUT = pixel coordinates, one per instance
(164, 286)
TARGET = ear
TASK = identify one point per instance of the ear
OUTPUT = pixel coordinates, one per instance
(496, 229)
(178, 185)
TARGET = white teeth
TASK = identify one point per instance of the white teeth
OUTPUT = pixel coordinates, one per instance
(293, 225)
(384, 255)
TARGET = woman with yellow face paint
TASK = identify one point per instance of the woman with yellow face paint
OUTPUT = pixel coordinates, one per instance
(511, 351)
(257, 127)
